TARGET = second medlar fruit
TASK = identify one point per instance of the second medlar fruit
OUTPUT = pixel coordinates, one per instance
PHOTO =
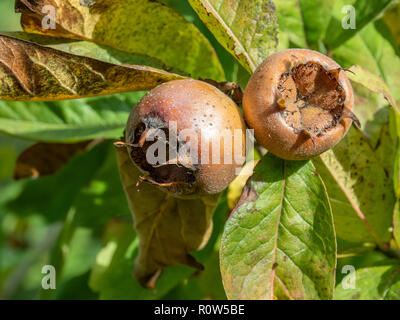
(299, 103)
(193, 115)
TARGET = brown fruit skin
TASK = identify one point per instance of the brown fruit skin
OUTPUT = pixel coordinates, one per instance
(194, 105)
(263, 114)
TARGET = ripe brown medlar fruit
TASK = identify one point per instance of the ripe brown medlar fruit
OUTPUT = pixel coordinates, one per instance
(299, 103)
(195, 124)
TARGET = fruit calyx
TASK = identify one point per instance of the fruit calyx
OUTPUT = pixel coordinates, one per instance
(312, 99)
(177, 173)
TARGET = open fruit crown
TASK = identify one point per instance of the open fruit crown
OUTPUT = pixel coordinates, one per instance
(299, 103)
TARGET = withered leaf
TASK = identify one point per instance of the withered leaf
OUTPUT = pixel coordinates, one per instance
(168, 227)
(137, 26)
(29, 71)
(43, 159)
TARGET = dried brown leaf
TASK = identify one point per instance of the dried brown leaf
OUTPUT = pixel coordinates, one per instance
(29, 71)
(168, 227)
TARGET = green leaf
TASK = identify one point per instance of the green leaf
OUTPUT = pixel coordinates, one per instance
(373, 283)
(396, 223)
(68, 121)
(372, 82)
(29, 71)
(365, 12)
(112, 274)
(168, 228)
(360, 191)
(144, 27)
(375, 50)
(247, 29)
(291, 26)
(45, 159)
(303, 23)
(377, 67)
(234, 71)
(391, 19)
(72, 256)
(103, 199)
(369, 108)
(387, 149)
(82, 251)
(53, 196)
(280, 243)
(314, 15)
(203, 286)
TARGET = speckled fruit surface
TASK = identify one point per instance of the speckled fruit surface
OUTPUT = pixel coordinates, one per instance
(200, 112)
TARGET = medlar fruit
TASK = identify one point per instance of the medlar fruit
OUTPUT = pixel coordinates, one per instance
(299, 103)
(188, 118)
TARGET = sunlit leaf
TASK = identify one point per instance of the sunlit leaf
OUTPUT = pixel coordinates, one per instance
(137, 26)
(373, 83)
(232, 68)
(396, 223)
(371, 51)
(291, 27)
(280, 243)
(360, 191)
(103, 202)
(358, 261)
(247, 29)
(52, 197)
(236, 187)
(73, 256)
(372, 283)
(374, 50)
(364, 13)
(376, 77)
(387, 148)
(314, 16)
(92, 50)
